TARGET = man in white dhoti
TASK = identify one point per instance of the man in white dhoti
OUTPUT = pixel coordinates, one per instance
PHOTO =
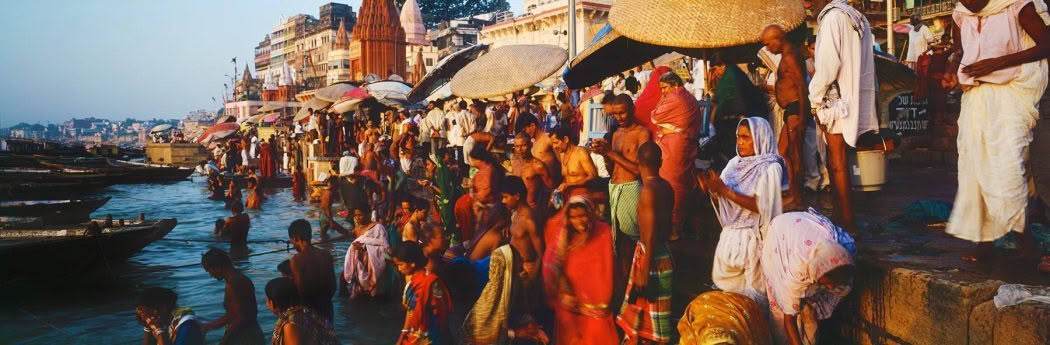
(746, 197)
(842, 92)
(1004, 44)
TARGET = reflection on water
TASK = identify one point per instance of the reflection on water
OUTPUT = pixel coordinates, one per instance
(98, 307)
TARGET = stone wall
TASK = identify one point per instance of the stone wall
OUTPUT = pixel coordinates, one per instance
(183, 154)
(900, 306)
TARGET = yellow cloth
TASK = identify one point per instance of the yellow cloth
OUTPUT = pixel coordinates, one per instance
(719, 317)
(487, 322)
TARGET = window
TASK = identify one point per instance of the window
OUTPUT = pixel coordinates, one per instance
(430, 62)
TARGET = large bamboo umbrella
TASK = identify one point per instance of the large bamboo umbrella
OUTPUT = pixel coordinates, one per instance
(609, 53)
(702, 23)
(508, 69)
(443, 72)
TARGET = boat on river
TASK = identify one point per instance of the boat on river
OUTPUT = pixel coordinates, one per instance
(123, 172)
(46, 183)
(37, 250)
(52, 211)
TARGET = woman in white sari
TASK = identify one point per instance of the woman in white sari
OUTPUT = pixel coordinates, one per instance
(746, 197)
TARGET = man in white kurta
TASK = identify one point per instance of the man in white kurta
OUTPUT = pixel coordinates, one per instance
(998, 112)
(844, 57)
(919, 38)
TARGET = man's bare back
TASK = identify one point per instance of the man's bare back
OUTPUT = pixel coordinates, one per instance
(314, 276)
(655, 204)
(537, 181)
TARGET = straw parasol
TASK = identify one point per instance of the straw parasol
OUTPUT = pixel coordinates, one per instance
(331, 93)
(508, 69)
(443, 72)
(314, 103)
(609, 53)
(702, 23)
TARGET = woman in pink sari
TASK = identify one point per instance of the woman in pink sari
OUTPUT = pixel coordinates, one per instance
(579, 278)
(677, 118)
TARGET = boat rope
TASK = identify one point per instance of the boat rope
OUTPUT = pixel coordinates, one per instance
(275, 241)
(68, 336)
(288, 247)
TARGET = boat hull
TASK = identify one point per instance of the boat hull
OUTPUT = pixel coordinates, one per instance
(53, 212)
(68, 249)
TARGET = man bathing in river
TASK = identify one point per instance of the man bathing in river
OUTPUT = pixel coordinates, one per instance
(242, 327)
(312, 270)
(237, 226)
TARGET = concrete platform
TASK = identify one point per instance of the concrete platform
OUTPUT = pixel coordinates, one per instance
(914, 288)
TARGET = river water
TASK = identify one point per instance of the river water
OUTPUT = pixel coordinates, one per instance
(98, 307)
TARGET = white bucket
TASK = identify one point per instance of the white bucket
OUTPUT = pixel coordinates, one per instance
(868, 170)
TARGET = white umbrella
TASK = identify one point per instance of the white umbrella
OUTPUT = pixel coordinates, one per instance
(332, 93)
(160, 128)
(315, 104)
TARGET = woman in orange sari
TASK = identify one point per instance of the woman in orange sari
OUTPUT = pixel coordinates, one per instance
(578, 271)
(677, 117)
(425, 299)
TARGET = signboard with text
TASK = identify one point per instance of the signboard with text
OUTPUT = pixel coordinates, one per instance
(908, 116)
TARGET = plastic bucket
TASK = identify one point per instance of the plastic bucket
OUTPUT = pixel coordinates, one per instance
(868, 170)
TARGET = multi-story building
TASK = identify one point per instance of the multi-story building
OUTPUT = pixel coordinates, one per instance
(453, 35)
(338, 60)
(303, 42)
(262, 57)
(333, 13)
(312, 65)
(285, 39)
(547, 22)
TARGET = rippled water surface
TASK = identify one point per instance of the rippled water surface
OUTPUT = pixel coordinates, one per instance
(98, 307)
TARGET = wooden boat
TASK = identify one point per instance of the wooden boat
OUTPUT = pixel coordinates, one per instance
(53, 212)
(71, 248)
(124, 172)
(40, 184)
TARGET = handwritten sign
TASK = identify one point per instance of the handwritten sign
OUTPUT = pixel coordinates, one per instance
(909, 116)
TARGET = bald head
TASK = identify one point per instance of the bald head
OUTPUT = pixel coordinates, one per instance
(773, 38)
(649, 155)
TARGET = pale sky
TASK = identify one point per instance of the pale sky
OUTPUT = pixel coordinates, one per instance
(129, 58)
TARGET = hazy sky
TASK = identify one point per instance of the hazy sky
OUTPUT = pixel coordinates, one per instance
(129, 58)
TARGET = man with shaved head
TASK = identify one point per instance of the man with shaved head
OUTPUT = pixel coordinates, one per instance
(792, 94)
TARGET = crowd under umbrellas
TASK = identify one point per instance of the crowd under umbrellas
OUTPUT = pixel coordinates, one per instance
(496, 217)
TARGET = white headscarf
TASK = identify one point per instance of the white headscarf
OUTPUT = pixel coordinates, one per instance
(751, 176)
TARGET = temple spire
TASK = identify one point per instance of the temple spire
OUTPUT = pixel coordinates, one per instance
(341, 40)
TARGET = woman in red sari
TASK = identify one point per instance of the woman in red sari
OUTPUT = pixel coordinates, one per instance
(425, 299)
(649, 98)
(578, 271)
(265, 161)
(677, 116)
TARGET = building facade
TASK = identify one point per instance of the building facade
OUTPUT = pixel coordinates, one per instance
(337, 65)
(547, 22)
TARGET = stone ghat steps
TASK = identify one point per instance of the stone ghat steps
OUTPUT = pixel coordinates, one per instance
(905, 306)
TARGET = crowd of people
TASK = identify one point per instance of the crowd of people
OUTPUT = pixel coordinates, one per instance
(492, 222)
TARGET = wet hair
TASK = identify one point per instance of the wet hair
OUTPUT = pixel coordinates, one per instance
(217, 258)
(623, 99)
(650, 155)
(300, 230)
(562, 132)
(282, 293)
(285, 267)
(525, 121)
(410, 252)
(671, 78)
(481, 154)
(157, 298)
(236, 206)
(513, 185)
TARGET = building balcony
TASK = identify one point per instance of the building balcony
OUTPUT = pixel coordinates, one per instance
(927, 9)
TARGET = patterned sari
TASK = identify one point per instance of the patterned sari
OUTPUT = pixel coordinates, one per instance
(427, 305)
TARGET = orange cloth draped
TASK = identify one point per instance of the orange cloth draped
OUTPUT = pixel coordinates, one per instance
(464, 212)
(299, 186)
(266, 166)
(649, 98)
(678, 117)
(588, 269)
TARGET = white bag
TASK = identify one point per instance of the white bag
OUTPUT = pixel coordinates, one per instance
(833, 109)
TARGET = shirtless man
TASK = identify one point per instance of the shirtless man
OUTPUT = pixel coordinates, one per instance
(485, 182)
(524, 235)
(624, 186)
(651, 270)
(577, 168)
(236, 227)
(537, 179)
(312, 270)
(242, 326)
(792, 94)
(541, 146)
(327, 221)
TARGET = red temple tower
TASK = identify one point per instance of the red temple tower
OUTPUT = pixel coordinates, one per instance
(379, 41)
